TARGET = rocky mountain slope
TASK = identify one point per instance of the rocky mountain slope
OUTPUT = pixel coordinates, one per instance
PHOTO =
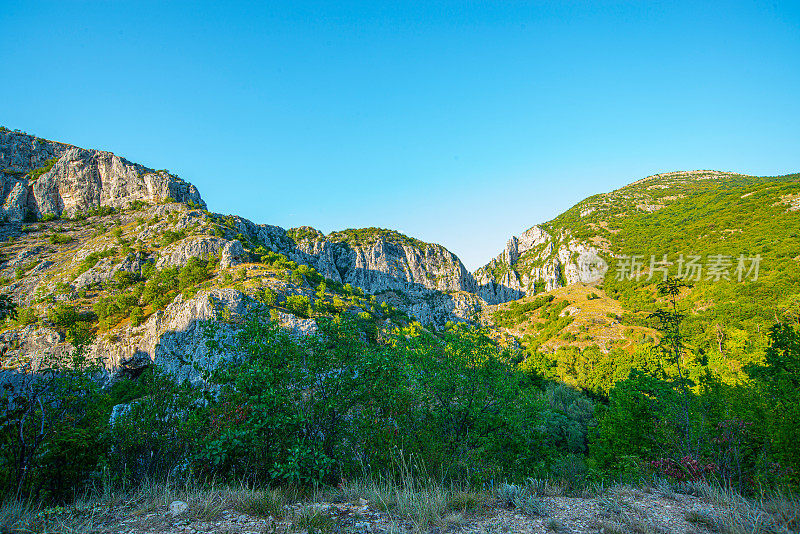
(583, 243)
(42, 178)
(734, 238)
(101, 248)
(95, 246)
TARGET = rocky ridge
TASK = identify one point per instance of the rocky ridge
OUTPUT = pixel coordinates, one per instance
(537, 261)
(42, 178)
(106, 257)
(86, 228)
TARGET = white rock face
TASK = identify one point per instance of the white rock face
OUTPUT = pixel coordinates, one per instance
(382, 264)
(80, 180)
(537, 261)
(202, 247)
(85, 179)
(22, 153)
(233, 254)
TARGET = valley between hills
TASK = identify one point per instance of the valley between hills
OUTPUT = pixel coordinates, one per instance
(172, 339)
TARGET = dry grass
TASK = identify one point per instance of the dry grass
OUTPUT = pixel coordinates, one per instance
(268, 503)
(418, 500)
(703, 518)
(423, 504)
(541, 487)
(775, 512)
(618, 515)
(19, 518)
(16, 516)
(313, 521)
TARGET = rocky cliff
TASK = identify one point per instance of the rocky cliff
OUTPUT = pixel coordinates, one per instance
(536, 261)
(94, 244)
(41, 178)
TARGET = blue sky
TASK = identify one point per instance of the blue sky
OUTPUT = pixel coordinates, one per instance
(460, 123)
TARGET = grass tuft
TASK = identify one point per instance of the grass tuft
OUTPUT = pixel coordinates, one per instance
(261, 503)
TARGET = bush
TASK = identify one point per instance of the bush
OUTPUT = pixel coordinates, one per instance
(316, 408)
(67, 319)
(779, 380)
(170, 236)
(299, 305)
(36, 173)
(267, 296)
(26, 316)
(92, 259)
(136, 316)
(51, 428)
(194, 272)
(60, 239)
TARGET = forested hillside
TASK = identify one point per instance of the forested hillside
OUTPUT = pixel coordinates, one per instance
(736, 238)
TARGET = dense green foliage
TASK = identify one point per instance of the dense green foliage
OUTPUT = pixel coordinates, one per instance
(339, 403)
(517, 311)
(366, 236)
(154, 289)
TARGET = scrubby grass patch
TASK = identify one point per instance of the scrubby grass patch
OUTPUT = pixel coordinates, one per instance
(263, 503)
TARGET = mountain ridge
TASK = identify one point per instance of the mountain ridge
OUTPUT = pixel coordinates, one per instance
(167, 264)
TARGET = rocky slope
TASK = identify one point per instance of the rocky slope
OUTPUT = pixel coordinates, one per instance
(116, 248)
(121, 271)
(43, 178)
(141, 264)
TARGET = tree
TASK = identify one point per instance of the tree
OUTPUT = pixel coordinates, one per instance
(672, 345)
(636, 422)
(299, 305)
(779, 379)
(44, 396)
(8, 309)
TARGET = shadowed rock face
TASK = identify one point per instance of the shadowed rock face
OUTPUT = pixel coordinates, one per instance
(79, 180)
(384, 265)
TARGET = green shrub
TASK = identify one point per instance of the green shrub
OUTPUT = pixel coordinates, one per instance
(136, 316)
(60, 239)
(267, 296)
(36, 173)
(26, 316)
(52, 428)
(299, 305)
(170, 236)
(92, 259)
(66, 318)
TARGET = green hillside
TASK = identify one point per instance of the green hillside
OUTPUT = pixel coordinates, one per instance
(723, 222)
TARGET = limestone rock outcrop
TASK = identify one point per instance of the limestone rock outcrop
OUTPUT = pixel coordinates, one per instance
(538, 261)
(78, 180)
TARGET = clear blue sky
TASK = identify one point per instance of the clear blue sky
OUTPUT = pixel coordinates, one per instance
(460, 123)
